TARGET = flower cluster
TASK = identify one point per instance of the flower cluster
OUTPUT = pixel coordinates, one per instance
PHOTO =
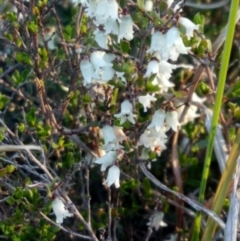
(112, 25)
(112, 136)
(154, 137)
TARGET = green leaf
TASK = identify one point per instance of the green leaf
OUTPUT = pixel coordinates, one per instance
(203, 88)
(125, 46)
(199, 19)
(32, 27)
(147, 188)
(3, 101)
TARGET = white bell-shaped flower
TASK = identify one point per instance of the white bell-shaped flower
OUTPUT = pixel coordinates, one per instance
(166, 68)
(111, 141)
(146, 101)
(91, 9)
(156, 221)
(106, 9)
(113, 176)
(152, 68)
(145, 139)
(189, 26)
(126, 28)
(98, 61)
(101, 9)
(111, 26)
(158, 42)
(120, 135)
(107, 160)
(148, 5)
(175, 44)
(60, 209)
(90, 159)
(172, 35)
(158, 119)
(108, 134)
(162, 81)
(153, 139)
(112, 10)
(172, 120)
(126, 112)
(107, 73)
(87, 71)
(101, 38)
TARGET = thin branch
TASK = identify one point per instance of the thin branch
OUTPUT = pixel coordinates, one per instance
(64, 229)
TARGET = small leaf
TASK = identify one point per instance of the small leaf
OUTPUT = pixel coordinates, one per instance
(125, 46)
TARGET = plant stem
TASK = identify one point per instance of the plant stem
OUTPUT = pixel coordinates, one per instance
(217, 108)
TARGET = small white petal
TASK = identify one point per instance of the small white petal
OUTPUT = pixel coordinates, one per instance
(172, 120)
(158, 119)
(156, 221)
(113, 176)
(60, 210)
(107, 160)
(87, 71)
(125, 28)
(189, 26)
(146, 101)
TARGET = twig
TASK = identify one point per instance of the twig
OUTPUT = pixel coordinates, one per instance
(194, 204)
(64, 229)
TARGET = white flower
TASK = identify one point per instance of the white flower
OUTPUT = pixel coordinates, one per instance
(172, 120)
(90, 159)
(189, 26)
(192, 110)
(126, 112)
(158, 42)
(120, 75)
(153, 139)
(101, 38)
(152, 68)
(60, 209)
(172, 35)
(120, 135)
(110, 139)
(98, 61)
(175, 44)
(87, 71)
(111, 26)
(91, 9)
(156, 221)
(158, 120)
(125, 28)
(106, 9)
(102, 66)
(107, 159)
(106, 73)
(146, 100)
(148, 5)
(113, 176)
(112, 10)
